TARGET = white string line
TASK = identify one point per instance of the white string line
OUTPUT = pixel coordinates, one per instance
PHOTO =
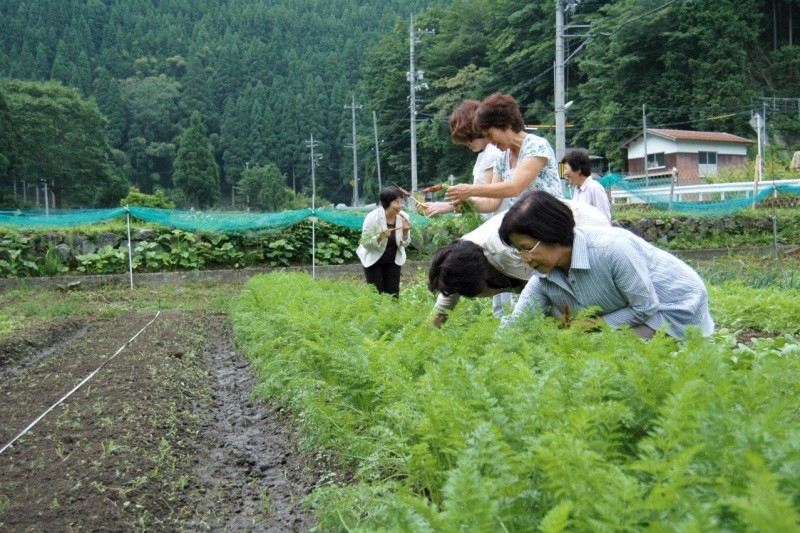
(78, 386)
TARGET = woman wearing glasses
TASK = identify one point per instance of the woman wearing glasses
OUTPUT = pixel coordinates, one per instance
(630, 281)
(480, 264)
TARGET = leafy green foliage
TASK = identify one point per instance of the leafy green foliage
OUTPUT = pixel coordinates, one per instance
(442, 230)
(470, 428)
(26, 255)
(17, 256)
(60, 138)
(106, 260)
(773, 309)
(158, 199)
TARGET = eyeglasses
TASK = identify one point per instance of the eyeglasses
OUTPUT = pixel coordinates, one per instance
(519, 253)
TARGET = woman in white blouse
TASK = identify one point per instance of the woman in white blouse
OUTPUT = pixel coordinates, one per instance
(385, 235)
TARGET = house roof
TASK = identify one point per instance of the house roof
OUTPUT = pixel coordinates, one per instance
(686, 135)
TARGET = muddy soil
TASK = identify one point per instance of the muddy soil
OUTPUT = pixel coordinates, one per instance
(164, 435)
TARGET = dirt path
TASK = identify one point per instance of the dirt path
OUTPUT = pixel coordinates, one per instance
(165, 436)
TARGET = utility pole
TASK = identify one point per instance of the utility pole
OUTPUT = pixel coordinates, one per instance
(314, 162)
(377, 149)
(353, 107)
(757, 122)
(414, 76)
(644, 136)
(561, 121)
(46, 199)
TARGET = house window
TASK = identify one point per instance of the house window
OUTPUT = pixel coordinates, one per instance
(655, 160)
(708, 163)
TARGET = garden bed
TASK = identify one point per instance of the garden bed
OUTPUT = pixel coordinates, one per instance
(163, 436)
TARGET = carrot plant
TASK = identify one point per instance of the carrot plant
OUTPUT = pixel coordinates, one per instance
(774, 310)
(530, 427)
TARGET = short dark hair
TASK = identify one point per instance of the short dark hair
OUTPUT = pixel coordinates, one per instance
(539, 215)
(578, 159)
(462, 122)
(499, 110)
(460, 267)
(389, 195)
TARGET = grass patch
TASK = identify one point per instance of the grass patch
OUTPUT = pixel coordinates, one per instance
(30, 304)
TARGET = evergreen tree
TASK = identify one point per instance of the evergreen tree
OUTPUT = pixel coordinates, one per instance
(109, 99)
(227, 77)
(8, 143)
(81, 76)
(196, 172)
(21, 67)
(96, 14)
(62, 65)
(197, 95)
(40, 69)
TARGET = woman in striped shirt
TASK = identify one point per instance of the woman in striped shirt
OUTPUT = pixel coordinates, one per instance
(631, 282)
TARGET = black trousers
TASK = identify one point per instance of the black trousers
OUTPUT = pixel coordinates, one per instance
(385, 277)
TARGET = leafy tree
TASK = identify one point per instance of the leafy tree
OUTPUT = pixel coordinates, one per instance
(265, 188)
(695, 61)
(152, 104)
(158, 199)
(61, 139)
(196, 171)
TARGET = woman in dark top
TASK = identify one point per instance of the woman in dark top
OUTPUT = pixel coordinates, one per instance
(384, 236)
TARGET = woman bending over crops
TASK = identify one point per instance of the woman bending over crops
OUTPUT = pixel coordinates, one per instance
(631, 282)
(480, 264)
(384, 237)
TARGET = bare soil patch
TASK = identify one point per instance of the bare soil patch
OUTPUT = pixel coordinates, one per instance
(165, 436)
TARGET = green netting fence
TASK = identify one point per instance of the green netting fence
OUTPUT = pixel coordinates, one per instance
(662, 193)
(208, 222)
(196, 221)
(665, 194)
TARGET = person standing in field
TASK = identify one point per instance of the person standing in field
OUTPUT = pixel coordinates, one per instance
(527, 161)
(463, 131)
(578, 171)
(385, 234)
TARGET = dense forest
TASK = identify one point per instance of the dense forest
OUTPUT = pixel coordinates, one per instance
(98, 95)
